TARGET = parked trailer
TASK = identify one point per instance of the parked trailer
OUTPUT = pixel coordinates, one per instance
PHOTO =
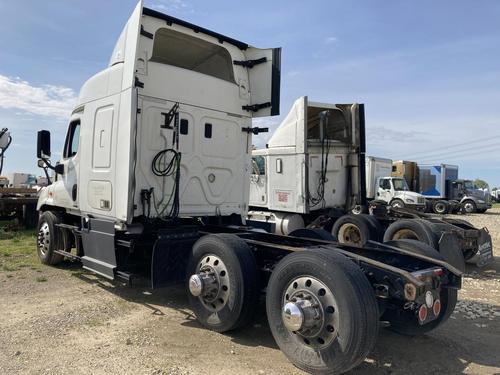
(311, 175)
(407, 170)
(154, 182)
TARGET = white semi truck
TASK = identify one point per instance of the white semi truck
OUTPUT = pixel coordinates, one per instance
(311, 175)
(154, 182)
(391, 190)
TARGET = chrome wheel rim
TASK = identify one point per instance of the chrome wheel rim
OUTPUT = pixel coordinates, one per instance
(211, 283)
(43, 239)
(469, 207)
(310, 312)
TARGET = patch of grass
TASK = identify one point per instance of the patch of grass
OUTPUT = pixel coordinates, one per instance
(18, 251)
(41, 279)
(496, 205)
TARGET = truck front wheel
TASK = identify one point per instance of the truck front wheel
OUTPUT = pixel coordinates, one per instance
(322, 311)
(469, 207)
(397, 203)
(48, 238)
(223, 282)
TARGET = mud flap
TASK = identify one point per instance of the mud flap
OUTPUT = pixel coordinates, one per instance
(484, 253)
(449, 247)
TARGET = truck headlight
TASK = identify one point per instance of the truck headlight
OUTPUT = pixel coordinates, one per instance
(480, 201)
(409, 200)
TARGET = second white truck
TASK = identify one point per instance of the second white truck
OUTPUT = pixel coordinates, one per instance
(391, 190)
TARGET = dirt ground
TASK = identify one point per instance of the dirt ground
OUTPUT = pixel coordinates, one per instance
(66, 320)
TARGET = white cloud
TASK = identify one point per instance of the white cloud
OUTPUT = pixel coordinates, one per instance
(172, 6)
(330, 40)
(45, 100)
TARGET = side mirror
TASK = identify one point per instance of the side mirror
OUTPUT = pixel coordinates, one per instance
(59, 169)
(41, 163)
(43, 144)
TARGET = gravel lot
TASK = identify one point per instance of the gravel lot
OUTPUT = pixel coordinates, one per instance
(66, 320)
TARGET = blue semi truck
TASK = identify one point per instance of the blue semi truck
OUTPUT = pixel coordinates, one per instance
(445, 192)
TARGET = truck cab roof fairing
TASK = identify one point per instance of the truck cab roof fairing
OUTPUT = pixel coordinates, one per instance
(118, 55)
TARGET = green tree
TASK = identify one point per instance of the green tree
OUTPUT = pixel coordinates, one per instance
(481, 184)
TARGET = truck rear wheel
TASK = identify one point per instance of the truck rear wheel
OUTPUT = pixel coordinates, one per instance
(354, 230)
(411, 229)
(223, 282)
(405, 322)
(322, 311)
(440, 207)
(49, 238)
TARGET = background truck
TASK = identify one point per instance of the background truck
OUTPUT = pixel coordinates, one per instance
(391, 190)
(446, 192)
(15, 202)
(154, 182)
(495, 194)
(311, 176)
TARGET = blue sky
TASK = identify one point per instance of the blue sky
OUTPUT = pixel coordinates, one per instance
(427, 71)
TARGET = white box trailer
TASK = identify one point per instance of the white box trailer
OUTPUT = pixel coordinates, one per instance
(154, 181)
(376, 168)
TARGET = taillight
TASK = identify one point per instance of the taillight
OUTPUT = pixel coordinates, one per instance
(436, 309)
(422, 313)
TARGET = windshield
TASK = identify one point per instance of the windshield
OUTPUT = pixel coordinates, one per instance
(469, 185)
(400, 184)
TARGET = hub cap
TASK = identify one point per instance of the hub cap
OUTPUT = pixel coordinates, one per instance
(210, 283)
(310, 311)
(469, 207)
(405, 234)
(350, 234)
(43, 238)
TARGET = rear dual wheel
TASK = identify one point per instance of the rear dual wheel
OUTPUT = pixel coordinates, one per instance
(322, 311)
(356, 230)
(223, 282)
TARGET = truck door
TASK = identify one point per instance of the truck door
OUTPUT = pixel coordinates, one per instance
(264, 73)
(258, 181)
(384, 190)
(67, 191)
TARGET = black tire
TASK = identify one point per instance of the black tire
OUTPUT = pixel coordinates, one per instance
(356, 307)
(406, 323)
(49, 238)
(469, 206)
(440, 207)
(241, 275)
(397, 203)
(354, 230)
(313, 233)
(482, 210)
(414, 229)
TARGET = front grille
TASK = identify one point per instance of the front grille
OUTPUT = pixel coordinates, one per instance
(420, 200)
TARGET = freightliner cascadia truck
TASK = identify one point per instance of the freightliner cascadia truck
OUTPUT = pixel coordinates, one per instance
(154, 182)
